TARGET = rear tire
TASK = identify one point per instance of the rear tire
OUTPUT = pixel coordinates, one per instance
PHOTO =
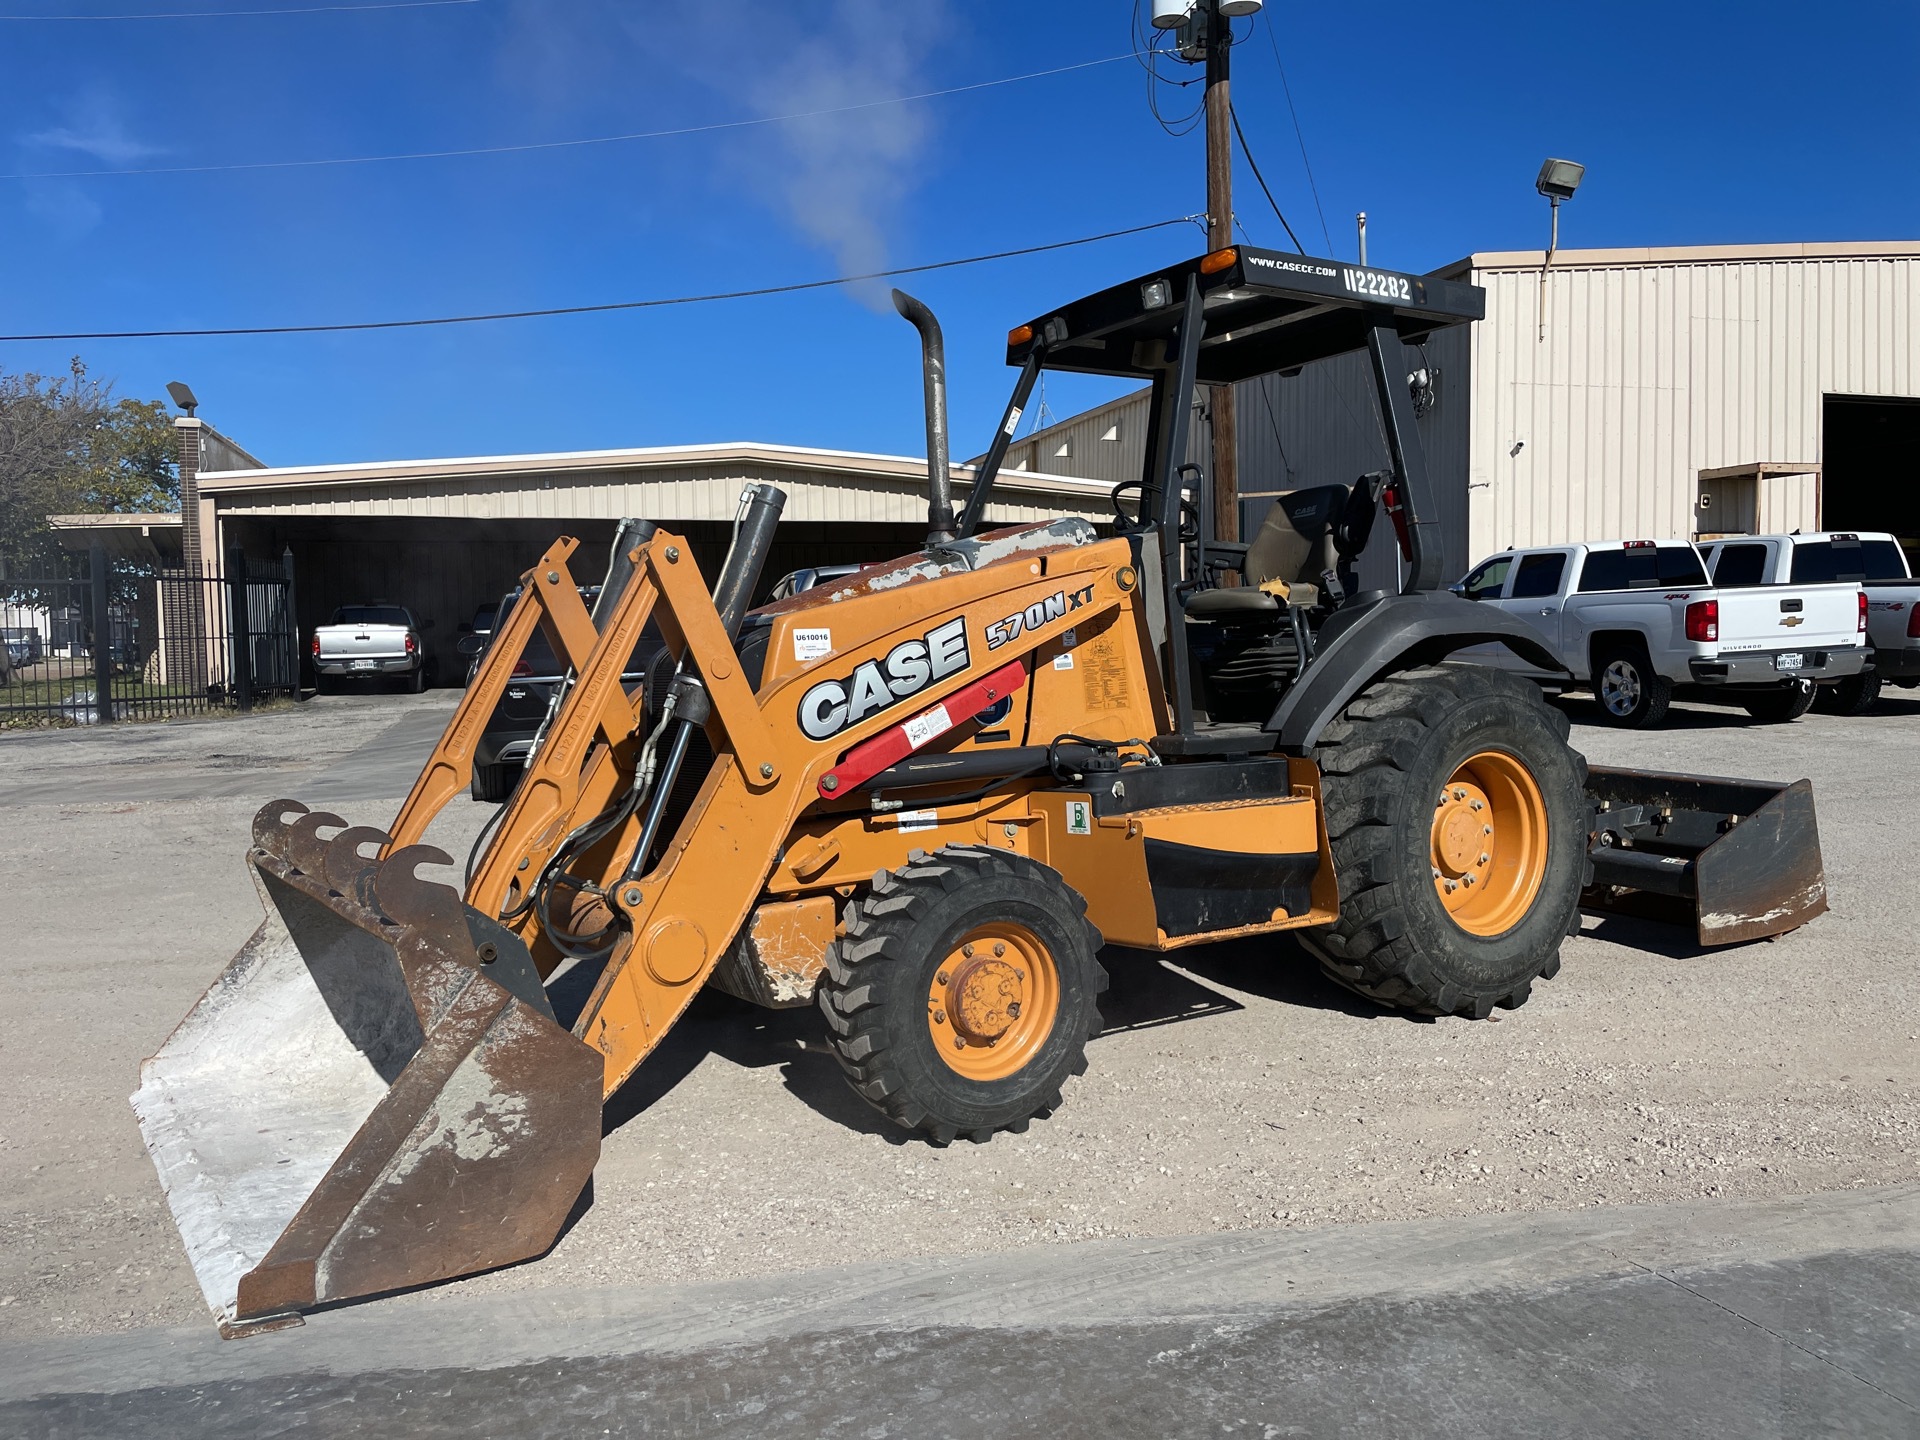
(1631, 693)
(962, 992)
(1776, 707)
(1855, 695)
(1412, 932)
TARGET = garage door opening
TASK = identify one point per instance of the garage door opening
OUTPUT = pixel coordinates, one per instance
(1871, 467)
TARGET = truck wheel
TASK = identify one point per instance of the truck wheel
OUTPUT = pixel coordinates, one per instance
(1855, 695)
(1632, 694)
(962, 992)
(1776, 707)
(492, 784)
(1457, 815)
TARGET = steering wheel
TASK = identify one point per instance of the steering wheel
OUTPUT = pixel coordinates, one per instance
(1136, 522)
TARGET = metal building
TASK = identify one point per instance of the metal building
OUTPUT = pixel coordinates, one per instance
(1647, 393)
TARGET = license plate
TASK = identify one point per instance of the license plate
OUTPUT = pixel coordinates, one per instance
(1792, 660)
(368, 664)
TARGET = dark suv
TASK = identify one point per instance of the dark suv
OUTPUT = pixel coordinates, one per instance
(500, 754)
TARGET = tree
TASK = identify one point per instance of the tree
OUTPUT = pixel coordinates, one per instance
(68, 446)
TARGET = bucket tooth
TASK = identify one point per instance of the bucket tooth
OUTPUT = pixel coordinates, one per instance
(369, 1097)
(1736, 860)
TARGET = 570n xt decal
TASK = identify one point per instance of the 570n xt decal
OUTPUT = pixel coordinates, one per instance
(1039, 613)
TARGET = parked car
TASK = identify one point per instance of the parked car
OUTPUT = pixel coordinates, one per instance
(1875, 562)
(1634, 620)
(501, 751)
(23, 646)
(371, 642)
(475, 635)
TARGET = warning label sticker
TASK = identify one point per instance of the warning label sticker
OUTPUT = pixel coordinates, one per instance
(919, 819)
(922, 728)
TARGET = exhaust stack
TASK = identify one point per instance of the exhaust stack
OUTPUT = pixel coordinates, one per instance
(933, 365)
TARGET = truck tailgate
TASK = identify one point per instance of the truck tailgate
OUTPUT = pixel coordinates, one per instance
(1890, 611)
(354, 642)
(1789, 617)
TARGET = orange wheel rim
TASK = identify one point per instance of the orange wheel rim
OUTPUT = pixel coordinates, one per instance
(992, 1002)
(1489, 845)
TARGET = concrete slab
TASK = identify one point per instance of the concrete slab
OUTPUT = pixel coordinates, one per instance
(1779, 1318)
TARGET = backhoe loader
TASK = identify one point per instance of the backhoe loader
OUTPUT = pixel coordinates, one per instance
(921, 797)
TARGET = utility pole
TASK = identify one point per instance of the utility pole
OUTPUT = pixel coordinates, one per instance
(1218, 32)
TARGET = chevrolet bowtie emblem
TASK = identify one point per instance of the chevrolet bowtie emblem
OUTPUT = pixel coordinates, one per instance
(1790, 620)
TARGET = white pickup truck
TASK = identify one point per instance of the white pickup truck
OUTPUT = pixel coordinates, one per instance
(370, 642)
(1632, 620)
(1873, 561)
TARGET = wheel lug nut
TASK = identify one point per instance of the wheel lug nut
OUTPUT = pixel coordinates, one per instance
(1486, 829)
(1466, 879)
(967, 950)
(941, 978)
(958, 1043)
(1475, 805)
(939, 1017)
(1484, 857)
(998, 948)
(1013, 1010)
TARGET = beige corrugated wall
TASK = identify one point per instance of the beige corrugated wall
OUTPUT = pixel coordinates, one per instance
(1652, 371)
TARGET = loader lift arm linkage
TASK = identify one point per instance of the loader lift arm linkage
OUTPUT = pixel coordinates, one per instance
(919, 798)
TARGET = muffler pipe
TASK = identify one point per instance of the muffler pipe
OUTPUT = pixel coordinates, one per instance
(933, 368)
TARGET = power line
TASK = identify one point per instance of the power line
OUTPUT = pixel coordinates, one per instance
(1254, 165)
(237, 14)
(564, 144)
(604, 308)
(1287, 90)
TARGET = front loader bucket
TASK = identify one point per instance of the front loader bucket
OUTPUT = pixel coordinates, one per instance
(373, 1095)
(1737, 860)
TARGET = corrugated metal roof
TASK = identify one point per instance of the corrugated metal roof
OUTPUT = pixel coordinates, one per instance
(690, 482)
(1488, 260)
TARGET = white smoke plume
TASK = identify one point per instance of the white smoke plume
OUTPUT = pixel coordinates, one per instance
(839, 178)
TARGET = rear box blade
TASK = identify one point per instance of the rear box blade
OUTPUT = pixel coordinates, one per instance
(1736, 860)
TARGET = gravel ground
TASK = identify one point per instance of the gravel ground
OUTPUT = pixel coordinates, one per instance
(1233, 1089)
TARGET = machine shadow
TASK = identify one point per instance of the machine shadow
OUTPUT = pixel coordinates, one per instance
(1683, 716)
(1145, 991)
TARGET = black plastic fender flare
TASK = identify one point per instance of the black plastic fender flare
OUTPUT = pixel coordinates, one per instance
(1364, 641)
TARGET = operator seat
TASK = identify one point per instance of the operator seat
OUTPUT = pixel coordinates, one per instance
(1296, 543)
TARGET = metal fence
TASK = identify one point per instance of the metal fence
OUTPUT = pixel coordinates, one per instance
(155, 642)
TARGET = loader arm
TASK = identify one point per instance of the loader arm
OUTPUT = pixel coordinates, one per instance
(664, 923)
(550, 602)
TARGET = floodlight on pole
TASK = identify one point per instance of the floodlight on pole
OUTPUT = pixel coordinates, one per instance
(1558, 179)
(183, 396)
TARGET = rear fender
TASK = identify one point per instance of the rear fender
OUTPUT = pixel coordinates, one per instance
(1396, 632)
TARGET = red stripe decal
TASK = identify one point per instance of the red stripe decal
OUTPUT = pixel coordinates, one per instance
(896, 742)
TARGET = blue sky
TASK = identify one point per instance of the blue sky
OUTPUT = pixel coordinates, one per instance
(1699, 123)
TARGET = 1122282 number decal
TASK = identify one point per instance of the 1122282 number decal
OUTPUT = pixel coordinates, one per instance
(1376, 284)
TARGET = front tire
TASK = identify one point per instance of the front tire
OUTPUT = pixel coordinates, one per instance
(1456, 812)
(1777, 707)
(1632, 694)
(962, 992)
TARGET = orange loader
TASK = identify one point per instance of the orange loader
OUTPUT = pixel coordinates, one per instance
(921, 798)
